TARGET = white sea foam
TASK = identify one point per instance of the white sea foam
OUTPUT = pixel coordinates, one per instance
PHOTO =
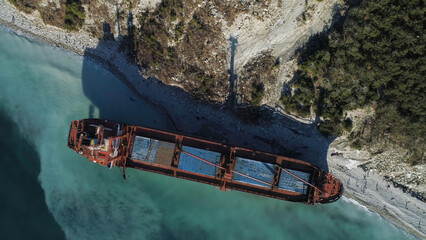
(356, 203)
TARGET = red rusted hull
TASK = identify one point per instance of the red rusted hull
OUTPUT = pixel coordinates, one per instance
(111, 144)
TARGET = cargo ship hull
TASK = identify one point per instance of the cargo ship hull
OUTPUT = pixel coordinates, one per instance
(222, 165)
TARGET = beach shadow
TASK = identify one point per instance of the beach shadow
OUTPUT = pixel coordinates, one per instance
(109, 99)
(288, 136)
(23, 207)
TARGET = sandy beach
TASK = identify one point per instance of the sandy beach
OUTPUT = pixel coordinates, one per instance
(279, 134)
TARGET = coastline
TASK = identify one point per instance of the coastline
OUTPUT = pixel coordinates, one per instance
(367, 188)
(378, 195)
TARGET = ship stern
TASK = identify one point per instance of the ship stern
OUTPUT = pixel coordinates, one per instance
(73, 135)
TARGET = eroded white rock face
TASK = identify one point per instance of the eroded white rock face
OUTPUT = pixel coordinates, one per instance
(389, 163)
(389, 160)
(280, 28)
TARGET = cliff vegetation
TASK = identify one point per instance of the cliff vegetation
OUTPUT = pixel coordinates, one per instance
(376, 58)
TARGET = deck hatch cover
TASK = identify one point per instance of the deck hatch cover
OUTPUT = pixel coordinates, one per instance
(255, 169)
(290, 183)
(144, 149)
(192, 164)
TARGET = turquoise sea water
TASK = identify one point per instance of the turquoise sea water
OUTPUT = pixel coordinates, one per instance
(51, 192)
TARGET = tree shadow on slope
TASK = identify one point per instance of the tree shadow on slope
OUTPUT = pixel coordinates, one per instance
(24, 213)
(233, 78)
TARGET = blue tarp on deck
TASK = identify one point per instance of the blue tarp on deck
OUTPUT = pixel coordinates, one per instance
(290, 183)
(192, 164)
(259, 170)
(144, 146)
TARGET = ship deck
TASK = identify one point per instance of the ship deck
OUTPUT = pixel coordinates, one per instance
(221, 165)
(247, 170)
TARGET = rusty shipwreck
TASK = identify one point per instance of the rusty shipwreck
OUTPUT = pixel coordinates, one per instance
(225, 166)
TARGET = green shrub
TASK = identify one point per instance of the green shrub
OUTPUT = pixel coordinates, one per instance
(330, 128)
(356, 144)
(74, 15)
(27, 6)
(196, 22)
(180, 28)
(257, 94)
(347, 125)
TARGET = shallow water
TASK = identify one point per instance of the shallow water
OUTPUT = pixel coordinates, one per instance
(43, 88)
